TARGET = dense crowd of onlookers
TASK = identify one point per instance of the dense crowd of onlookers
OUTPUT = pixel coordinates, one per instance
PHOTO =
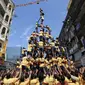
(41, 71)
(44, 64)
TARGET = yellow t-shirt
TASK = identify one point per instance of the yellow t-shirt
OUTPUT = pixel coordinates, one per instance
(72, 83)
(47, 35)
(48, 66)
(10, 81)
(41, 33)
(30, 47)
(56, 81)
(42, 65)
(77, 83)
(22, 51)
(67, 66)
(59, 59)
(52, 44)
(65, 60)
(25, 82)
(51, 80)
(34, 82)
(17, 83)
(25, 63)
(41, 44)
(63, 49)
(46, 80)
(66, 79)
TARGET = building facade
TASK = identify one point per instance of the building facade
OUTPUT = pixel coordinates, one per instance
(6, 13)
(72, 35)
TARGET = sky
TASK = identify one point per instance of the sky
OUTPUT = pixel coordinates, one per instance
(24, 24)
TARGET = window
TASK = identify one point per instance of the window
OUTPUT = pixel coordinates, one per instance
(7, 18)
(0, 46)
(10, 7)
(3, 30)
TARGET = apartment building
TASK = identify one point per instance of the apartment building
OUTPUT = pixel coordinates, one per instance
(6, 13)
(72, 34)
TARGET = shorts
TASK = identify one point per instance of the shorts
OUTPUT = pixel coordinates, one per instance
(41, 38)
(41, 49)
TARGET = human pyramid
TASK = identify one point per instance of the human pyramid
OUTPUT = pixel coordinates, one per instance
(41, 42)
(45, 63)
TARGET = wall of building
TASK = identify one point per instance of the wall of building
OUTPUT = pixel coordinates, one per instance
(73, 29)
(6, 12)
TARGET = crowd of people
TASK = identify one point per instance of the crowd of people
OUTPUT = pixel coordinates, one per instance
(44, 63)
(41, 71)
(41, 43)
